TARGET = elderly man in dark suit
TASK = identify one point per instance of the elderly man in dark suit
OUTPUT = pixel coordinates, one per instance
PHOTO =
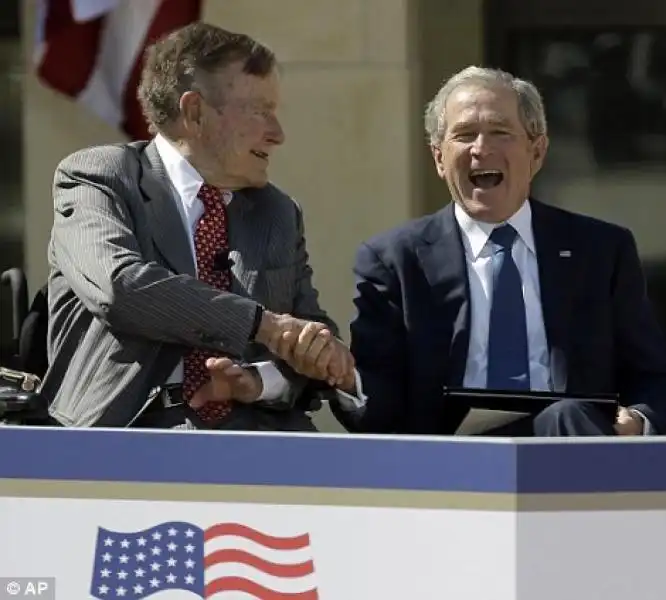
(498, 290)
(175, 257)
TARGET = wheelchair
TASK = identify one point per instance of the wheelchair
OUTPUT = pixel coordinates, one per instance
(24, 367)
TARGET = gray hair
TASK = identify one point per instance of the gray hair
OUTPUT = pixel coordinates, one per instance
(530, 104)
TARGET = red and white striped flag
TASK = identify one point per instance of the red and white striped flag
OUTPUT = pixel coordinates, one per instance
(92, 51)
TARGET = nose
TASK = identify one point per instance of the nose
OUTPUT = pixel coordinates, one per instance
(276, 133)
(481, 146)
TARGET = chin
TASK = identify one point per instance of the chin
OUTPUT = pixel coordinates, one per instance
(257, 181)
(492, 205)
(488, 212)
(481, 213)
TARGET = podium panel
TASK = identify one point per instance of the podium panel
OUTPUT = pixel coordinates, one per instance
(135, 514)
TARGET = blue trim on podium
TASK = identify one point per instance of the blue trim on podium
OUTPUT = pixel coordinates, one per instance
(589, 467)
(353, 462)
(237, 459)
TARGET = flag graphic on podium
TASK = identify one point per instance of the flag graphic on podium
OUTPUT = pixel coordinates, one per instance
(213, 562)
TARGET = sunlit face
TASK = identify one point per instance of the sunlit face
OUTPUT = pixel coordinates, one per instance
(237, 134)
(486, 157)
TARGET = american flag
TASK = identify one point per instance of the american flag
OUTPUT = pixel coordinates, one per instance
(92, 51)
(220, 560)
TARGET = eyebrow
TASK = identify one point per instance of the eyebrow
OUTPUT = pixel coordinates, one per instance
(466, 125)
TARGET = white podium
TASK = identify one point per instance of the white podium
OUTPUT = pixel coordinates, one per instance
(136, 514)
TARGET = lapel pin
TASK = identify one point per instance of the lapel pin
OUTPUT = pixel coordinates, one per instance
(565, 253)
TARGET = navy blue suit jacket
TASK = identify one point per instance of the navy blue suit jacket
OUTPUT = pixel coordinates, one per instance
(410, 334)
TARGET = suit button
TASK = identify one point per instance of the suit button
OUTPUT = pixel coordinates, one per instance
(206, 338)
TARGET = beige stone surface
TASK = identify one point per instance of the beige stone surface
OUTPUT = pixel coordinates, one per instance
(345, 162)
(387, 32)
(298, 30)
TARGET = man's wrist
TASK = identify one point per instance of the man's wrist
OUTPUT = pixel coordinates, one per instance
(267, 323)
(639, 418)
(636, 414)
(256, 325)
(258, 387)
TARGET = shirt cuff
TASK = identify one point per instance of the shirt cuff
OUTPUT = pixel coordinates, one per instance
(351, 402)
(648, 428)
(274, 383)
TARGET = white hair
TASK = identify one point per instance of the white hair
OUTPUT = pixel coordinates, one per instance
(530, 104)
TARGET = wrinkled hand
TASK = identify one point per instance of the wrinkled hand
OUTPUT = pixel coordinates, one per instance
(308, 347)
(320, 355)
(280, 333)
(228, 381)
(628, 423)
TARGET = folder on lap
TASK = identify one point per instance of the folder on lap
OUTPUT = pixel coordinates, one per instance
(526, 402)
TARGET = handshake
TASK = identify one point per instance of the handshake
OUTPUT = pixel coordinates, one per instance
(309, 347)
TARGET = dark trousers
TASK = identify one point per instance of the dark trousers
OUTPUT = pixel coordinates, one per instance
(561, 419)
(243, 417)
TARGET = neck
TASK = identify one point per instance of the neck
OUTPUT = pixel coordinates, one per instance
(211, 175)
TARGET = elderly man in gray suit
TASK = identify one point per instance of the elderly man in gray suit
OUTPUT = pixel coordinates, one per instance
(175, 259)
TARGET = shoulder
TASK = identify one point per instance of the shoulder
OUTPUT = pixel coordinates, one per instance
(277, 205)
(272, 196)
(586, 229)
(105, 160)
(395, 244)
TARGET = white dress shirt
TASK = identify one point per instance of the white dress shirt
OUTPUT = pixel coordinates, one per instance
(478, 257)
(185, 184)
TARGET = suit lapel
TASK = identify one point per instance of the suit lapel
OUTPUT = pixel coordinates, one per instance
(248, 240)
(443, 262)
(166, 222)
(556, 258)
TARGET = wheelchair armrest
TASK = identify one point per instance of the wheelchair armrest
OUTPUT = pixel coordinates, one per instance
(19, 405)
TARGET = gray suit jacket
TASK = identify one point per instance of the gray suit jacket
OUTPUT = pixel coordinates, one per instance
(124, 301)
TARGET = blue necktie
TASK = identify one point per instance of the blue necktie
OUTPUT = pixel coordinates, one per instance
(508, 362)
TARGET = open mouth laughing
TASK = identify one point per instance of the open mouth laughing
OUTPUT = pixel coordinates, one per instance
(485, 179)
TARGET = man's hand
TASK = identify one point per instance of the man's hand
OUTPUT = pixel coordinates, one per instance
(308, 347)
(228, 381)
(322, 356)
(628, 422)
(280, 333)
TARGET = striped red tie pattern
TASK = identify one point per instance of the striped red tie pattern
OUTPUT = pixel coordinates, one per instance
(210, 237)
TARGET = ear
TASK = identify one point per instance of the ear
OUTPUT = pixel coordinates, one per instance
(539, 150)
(438, 157)
(191, 111)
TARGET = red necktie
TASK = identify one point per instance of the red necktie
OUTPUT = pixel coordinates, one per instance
(210, 237)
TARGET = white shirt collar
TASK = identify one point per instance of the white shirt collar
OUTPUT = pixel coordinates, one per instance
(476, 233)
(185, 179)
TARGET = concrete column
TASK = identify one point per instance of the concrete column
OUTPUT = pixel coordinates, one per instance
(449, 37)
